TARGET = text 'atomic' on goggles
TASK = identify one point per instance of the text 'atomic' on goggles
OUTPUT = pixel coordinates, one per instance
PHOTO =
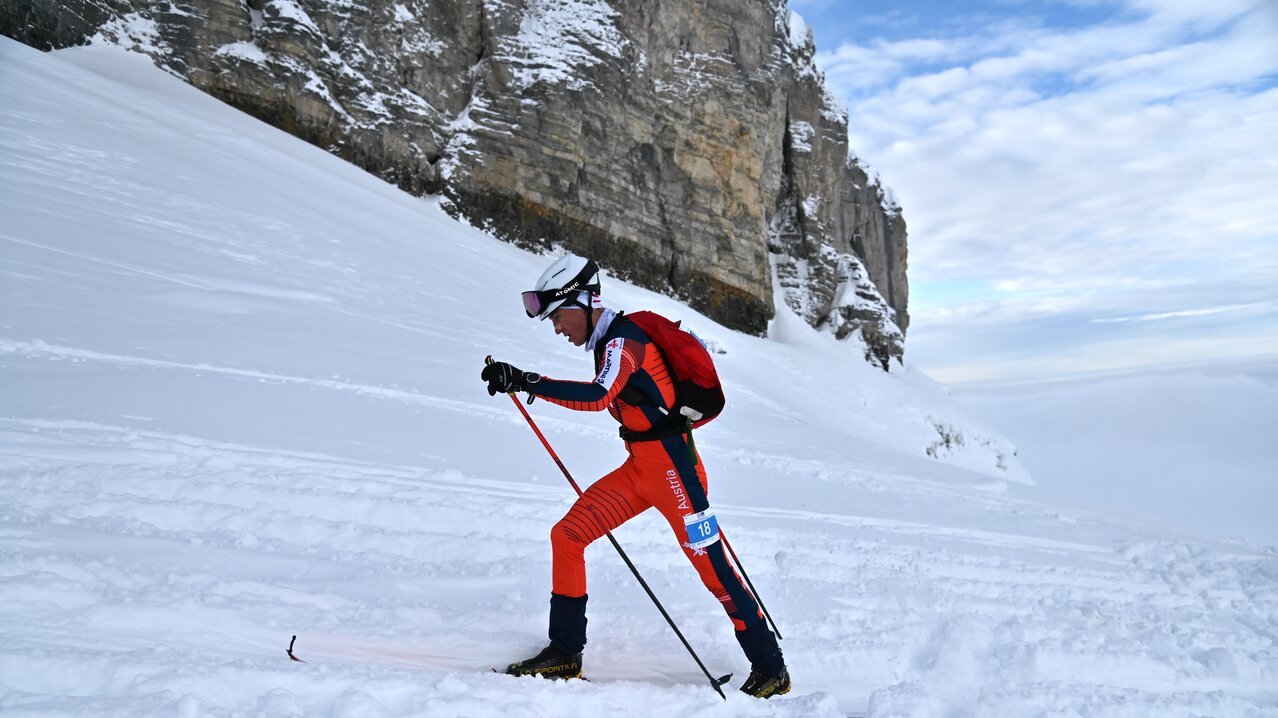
(535, 302)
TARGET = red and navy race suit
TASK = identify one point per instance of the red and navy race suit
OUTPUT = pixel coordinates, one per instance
(661, 474)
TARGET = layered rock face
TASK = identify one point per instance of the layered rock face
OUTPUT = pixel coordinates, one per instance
(690, 147)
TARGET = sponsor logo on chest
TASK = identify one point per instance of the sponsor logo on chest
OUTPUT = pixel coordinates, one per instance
(611, 363)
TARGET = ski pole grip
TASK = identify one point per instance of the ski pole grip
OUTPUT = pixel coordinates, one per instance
(489, 360)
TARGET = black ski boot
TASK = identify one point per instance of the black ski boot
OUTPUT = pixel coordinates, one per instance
(768, 676)
(550, 663)
(765, 685)
(562, 658)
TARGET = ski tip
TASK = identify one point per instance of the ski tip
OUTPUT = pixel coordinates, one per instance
(289, 651)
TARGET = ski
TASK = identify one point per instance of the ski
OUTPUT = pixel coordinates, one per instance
(574, 678)
(720, 681)
(717, 682)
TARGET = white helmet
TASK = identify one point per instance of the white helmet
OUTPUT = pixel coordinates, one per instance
(563, 282)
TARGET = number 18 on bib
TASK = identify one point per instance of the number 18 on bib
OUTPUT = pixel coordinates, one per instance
(702, 528)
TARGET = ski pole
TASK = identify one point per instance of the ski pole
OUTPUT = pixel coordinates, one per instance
(714, 682)
(746, 576)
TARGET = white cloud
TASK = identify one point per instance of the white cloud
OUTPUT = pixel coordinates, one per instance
(1176, 315)
(1134, 157)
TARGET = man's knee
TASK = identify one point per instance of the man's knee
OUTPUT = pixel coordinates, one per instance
(563, 535)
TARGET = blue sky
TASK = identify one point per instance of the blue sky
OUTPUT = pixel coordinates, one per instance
(1090, 186)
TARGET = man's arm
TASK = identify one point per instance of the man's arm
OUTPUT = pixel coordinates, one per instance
(621, 358)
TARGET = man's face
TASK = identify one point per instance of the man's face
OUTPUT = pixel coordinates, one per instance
(570, 322)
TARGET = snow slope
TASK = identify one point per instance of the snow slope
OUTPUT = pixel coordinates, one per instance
(239, 400)
(1189, 446)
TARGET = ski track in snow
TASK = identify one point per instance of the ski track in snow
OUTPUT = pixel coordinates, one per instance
(39, 349)
(229, 416)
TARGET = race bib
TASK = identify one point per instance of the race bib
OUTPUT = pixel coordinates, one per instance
(702, 528)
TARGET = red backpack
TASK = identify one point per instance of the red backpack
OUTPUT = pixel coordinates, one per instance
(698, 392)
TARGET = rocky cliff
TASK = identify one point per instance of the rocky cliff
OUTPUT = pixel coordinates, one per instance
(691, 147)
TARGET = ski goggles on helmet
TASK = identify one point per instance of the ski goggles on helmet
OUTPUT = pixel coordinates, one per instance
(538, 302)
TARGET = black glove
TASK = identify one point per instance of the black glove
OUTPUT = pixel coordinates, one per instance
(504, 378)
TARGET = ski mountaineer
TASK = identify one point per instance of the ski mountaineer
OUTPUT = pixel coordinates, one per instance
(663, 470)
